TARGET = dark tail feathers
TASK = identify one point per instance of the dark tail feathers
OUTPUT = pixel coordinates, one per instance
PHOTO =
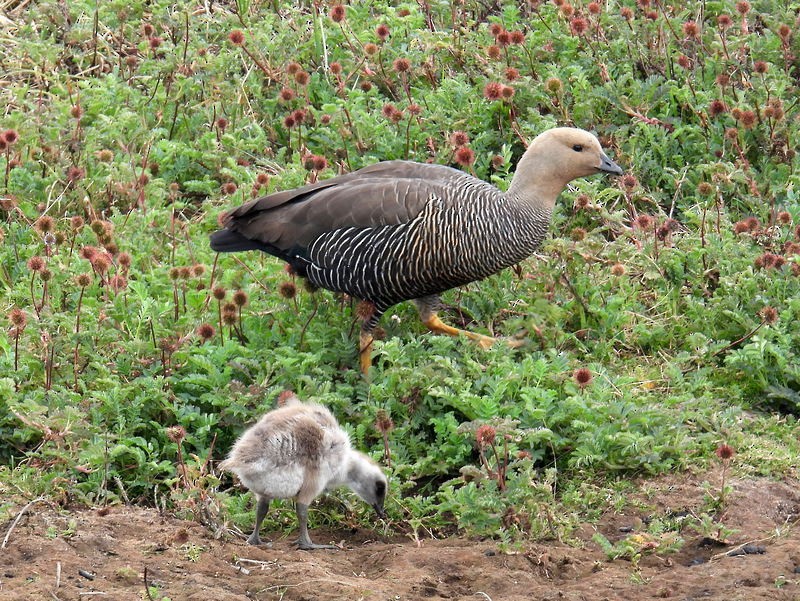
(226, 241)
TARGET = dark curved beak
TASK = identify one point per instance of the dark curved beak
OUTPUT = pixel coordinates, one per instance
(379, 510)
(609, 166)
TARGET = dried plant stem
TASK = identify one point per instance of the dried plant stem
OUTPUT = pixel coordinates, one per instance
(76, 355)
(219, 317)
(33, 295)
(22, 512)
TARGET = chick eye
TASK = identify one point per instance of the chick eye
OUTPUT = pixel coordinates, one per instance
(577, 147)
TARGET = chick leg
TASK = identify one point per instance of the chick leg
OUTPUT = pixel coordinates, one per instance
(304, 542)
(261, 512)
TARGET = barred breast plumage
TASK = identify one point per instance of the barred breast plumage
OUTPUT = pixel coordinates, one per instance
(400, 230)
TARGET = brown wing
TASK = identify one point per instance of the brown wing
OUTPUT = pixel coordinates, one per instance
(386, 193)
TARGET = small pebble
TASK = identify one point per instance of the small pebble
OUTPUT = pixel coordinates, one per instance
(697, 561)
(626, 529)
(490, 553)
(797, 570)
(86, 574)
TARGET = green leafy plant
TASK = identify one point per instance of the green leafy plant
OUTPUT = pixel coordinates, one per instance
(660, 308)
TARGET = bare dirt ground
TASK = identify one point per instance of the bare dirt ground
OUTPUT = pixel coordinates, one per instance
(100, 555)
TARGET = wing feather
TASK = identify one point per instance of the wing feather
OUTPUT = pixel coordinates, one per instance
(387, 193)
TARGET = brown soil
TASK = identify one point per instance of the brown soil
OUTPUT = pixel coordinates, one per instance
(106, 554)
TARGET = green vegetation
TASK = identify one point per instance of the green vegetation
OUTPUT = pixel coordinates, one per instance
(662, 317)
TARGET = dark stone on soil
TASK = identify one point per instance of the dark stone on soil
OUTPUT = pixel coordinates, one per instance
(626, 529)
(797, 569)
(490, 553)
(748, 550)
(697, 561)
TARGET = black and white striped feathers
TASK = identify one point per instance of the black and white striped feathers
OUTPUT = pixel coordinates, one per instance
(400, 230)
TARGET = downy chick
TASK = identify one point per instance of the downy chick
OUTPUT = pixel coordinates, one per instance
(299, 451)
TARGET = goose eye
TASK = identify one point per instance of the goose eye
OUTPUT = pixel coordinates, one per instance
(577, 147)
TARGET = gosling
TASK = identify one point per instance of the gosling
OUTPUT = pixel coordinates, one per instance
(299, 451)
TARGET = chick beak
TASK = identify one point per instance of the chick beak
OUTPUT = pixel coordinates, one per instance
(379, 510)
(609, 166)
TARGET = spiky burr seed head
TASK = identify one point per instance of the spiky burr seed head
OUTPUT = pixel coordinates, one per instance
(236, 37)
(101, 262)
(83, 279)
(287, 289)
(44, 224)
(337, 13)
(383, 422)
(36, 264)
(553, 85)
(717, 107)
(382, 31)
(582, 377)
(485, 436)
(286, 94)
(725, 452)
(401, 65)
(578, 26)
(691, 29)
(365, 310)
(493, 91)
(75, 173)
(176, 434)
(10, 136)
(88, 252)
(240, 298)
(17, 318)
(465, 156)
(205, 331)
(117, 283)
(229, 314)
(769, 315)
(704, 188)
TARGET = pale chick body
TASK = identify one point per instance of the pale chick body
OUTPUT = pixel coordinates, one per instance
(299, 451)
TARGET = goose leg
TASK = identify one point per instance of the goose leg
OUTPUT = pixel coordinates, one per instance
(366, 339)
(304, 542)
(426, 307)
(365, 351)
(261, 512)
